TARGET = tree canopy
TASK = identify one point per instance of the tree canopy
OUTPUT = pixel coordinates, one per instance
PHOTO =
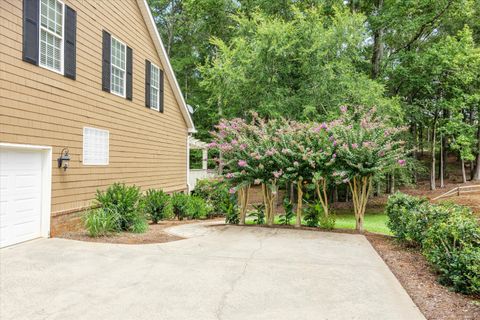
(417, 61)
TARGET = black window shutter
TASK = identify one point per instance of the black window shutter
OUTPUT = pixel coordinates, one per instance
(70, 44)
(106, 61)
(161, 91)
(30, 30)
(148, 69)
(129, 74)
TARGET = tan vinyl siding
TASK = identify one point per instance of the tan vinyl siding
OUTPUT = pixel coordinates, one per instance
(41, 107)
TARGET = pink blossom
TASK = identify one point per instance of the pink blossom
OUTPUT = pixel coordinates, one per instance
(401, 162)
(243, 146)
(354, 146)
(212, 144)
(242, 163)
(278, 174)
(343, 109)
(234, 142)
(323, 125)
(231, 191)
(334, 155)
(271, 152)
(229, 175)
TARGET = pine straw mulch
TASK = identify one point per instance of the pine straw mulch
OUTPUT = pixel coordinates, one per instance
(155, 234)
(412, 270)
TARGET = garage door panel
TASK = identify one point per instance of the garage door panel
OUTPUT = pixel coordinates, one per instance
(21, 195)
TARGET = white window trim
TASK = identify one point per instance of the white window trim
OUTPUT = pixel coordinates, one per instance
(108, 148)
(62, 49)
(152, 65)
(124, 95)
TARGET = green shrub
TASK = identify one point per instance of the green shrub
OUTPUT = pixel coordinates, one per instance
(231, 213)
(197, 208)
(312, 213)
(101, 222)
(327, 222)
(122, 199)
(180, 205)
(139, 224)
(289, 214)
(448, 234)
(156, 205)
(452, 246)
(258, 214)
(216, 193)
(403, 211)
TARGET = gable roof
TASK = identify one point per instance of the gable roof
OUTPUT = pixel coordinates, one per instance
(152, 28)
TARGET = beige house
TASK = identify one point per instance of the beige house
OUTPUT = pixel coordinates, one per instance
(87, 98)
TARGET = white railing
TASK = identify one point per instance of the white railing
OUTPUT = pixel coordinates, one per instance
(196, 174)
(459, 191)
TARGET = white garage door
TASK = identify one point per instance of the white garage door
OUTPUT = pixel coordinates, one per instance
(20, 196)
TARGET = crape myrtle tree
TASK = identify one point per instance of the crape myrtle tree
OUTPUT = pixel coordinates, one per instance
(269, 152)
(309, 150)
(368, 146)
(353, 149)
(250, 155)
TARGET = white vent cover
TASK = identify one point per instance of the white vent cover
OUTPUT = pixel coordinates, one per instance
(95, 146)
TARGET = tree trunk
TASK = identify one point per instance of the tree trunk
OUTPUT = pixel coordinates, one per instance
(476, 174)
(432, 168)
(243, 195)
(321, 189)
(298, 221)
(377, 54)
(464, 174)
(392, 187)
(421, 142)
(360, 188)
(269, 202)
(442, 155)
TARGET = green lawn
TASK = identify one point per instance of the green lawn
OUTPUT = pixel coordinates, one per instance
(374, 221)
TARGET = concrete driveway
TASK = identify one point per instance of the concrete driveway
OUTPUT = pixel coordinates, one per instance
(221, 272)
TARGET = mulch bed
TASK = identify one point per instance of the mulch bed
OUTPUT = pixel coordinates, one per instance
(412, 270)
(155, 234)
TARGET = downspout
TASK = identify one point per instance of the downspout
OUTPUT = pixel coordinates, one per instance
(188, 162)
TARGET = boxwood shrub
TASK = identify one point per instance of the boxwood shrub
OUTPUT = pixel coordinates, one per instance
(403, 212)
(448, 235)
(124, 201)
(452, 246)
(157, 205)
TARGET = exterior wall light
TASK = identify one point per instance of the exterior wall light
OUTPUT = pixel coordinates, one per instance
(64, 159)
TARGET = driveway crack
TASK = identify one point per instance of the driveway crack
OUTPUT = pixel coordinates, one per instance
(236, 280)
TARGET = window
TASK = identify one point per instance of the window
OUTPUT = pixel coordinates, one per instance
(95, 146)
(51, 34)
(155, 87)
(118, 65)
